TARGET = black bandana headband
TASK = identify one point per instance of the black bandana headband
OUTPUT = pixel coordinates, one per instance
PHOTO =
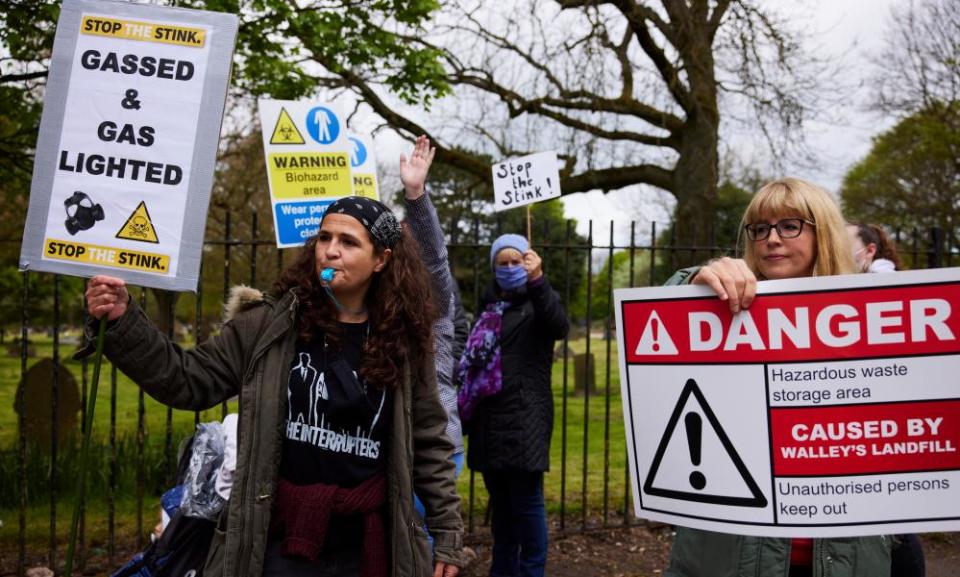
(372, 214)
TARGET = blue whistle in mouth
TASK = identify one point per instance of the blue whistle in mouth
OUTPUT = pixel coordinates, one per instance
(326, 276)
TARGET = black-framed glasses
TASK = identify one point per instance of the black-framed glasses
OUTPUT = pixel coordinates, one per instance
(786, 228)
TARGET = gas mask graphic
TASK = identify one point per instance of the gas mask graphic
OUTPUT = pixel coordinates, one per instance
(82, 213)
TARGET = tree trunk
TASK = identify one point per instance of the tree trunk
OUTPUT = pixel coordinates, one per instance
(696, 172)
(695, 187)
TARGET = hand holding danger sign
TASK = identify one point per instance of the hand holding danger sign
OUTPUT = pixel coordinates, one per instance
(731, 279)
(413, 172)
(107, 295)
(533, 264)
(442, 569)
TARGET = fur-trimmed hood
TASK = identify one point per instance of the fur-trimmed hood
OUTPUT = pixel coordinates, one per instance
(241, 298)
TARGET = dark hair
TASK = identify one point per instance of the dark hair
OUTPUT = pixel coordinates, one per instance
(399, 301)
(875, 235)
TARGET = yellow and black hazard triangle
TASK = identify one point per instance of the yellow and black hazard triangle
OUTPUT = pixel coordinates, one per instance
(285, 132)
(139, 226)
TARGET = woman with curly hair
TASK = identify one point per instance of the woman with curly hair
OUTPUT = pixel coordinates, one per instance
(340, 421)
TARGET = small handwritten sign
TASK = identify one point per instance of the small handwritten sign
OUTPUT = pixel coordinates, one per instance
(525, 180)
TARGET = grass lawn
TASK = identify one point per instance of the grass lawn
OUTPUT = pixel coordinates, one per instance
(127, 398)
(604, 467)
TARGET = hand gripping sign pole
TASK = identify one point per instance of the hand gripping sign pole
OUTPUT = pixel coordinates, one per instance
(529, 226)
(126, 153)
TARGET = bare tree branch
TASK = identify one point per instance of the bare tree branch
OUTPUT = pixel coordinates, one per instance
(716, 17)
(920, 65)
(638, 16)
(4, 78)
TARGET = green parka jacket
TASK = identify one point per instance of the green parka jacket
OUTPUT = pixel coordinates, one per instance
(251, 358)
(698, 553)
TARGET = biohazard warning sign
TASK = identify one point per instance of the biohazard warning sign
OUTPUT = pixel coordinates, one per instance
(286, 131)
(307, 178)
(830, 408)
(139, 226)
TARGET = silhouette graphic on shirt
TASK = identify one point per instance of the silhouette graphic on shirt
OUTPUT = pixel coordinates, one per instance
(307, 389)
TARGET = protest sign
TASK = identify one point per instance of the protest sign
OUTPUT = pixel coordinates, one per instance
(127, 144)
(363, 165)
(525, 180)
(308, 164)
(830, 408)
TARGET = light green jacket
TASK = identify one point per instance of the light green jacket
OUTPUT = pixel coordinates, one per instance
(697, 553)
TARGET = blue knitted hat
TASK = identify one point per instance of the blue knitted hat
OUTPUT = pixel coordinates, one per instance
(514, 241)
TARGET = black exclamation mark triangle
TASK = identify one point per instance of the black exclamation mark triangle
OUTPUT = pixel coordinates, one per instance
(654, 329)
(696, 424)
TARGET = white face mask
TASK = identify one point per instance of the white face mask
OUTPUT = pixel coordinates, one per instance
(863, 264)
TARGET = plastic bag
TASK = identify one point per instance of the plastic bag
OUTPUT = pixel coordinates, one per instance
(200, 497)
(227, 470)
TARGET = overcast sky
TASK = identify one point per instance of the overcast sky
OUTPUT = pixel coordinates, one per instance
(847, 31)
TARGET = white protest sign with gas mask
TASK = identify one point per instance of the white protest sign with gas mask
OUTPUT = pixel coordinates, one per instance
(128, 141)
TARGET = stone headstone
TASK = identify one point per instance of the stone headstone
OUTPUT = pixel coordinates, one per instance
(584, 371)
(558, 353)
(37, 389)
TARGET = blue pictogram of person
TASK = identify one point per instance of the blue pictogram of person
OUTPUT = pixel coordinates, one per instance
(358, 152)
(322, 124)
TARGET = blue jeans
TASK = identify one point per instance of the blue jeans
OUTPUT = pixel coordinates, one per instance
(519, 523)
(418, 504)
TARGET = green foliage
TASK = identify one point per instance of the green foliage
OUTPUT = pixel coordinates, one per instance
(280, 49)
(911, 177)
(24, 57)
(601, 290)
(43, 292)
(732, 201)
(280, 45)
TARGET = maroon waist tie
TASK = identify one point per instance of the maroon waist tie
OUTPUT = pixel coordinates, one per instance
(303, 513)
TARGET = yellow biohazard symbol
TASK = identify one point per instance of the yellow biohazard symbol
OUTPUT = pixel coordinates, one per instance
(285, 132)
(139, 226)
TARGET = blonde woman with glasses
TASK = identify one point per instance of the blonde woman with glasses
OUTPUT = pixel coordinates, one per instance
(791, 229)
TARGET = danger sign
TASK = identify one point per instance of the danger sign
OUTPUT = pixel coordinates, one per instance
(830, 408)
(128, 142)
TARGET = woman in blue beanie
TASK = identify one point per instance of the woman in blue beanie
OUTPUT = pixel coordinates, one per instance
(506, 403)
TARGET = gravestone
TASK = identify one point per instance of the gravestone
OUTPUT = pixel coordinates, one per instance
(558, 353)
(584, 371)
(36, 386)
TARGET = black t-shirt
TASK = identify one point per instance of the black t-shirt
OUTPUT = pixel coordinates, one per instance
(336, 423)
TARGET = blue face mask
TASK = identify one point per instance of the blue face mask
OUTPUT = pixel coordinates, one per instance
(510, 277)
